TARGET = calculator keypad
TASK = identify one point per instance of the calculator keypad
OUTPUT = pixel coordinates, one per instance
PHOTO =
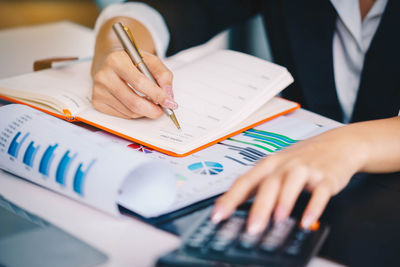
(229, 242)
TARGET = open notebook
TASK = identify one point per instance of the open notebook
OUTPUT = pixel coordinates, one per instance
(219, 95)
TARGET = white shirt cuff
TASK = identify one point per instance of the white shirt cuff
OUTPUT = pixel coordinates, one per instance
(143, 13)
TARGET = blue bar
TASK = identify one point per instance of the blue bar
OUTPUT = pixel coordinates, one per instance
(63, 168)
(254, 151)
(14, 147)
(249, 155)
(80, 177)
(238, 161)
(30, 154)
(47, 158)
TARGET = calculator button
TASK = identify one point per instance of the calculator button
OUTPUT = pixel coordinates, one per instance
(314, 226)
(195, 244)
(295, 245)
(207, 229)
(277, 235)
(302, 234)
(271, 244)
(231, 228)
(199, 239)
(293, 249)
(234, 223)
(248, 241)
(227, 233)
(219, 245)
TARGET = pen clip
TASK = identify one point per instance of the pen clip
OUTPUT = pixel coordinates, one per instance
(128, 32)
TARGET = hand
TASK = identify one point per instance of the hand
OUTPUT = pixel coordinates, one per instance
(323, 165)
(112, 93)
(114, 74)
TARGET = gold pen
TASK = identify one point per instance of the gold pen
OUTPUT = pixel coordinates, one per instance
(126, 38)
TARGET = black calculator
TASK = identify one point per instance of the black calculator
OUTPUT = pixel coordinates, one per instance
(228, 244)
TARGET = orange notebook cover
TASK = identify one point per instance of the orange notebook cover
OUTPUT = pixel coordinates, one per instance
(292, 106)
(220, 95)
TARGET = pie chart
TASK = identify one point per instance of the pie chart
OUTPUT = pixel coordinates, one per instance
(206, 168)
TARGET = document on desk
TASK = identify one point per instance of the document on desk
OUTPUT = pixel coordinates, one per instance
(212, 171)
(105, 171)
(219, 95)
(69, 159)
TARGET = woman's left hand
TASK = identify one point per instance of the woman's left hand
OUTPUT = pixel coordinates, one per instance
(323, 165)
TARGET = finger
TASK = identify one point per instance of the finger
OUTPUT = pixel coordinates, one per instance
(101, 95)
(292, 186)
(240, 191)
(160, 72)
(122, 65)
(109, 80)
(136, 104)
(227, 203)
(264, 202)
(319, 199)
(104, 108)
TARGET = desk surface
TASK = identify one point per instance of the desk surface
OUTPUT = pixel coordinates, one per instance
(126, 241)
(24, 45)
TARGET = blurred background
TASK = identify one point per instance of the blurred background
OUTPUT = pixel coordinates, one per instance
(248, 37)
(14, 13)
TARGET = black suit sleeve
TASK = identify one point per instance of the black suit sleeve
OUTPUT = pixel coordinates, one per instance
(192, 22)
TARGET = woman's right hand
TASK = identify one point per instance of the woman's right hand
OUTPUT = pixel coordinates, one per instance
(114, 74)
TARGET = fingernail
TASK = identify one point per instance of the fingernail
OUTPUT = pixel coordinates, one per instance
(217, 215)
(169, 103)
(307, 221)
(255, 226)
(280, 214)
(168, 88)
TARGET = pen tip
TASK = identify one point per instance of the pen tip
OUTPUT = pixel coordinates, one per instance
(173, 118)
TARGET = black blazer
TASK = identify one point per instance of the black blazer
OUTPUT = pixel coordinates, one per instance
(300, 33)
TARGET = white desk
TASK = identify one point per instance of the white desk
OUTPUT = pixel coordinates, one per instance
(126, 241)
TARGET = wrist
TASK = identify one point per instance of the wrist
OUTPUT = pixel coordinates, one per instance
(107, 42)
(358, 147)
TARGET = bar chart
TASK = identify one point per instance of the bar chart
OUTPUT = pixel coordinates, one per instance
(254, 144)
(53, 161)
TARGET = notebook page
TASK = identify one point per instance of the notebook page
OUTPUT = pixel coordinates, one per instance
(68, 87)
(213, 93)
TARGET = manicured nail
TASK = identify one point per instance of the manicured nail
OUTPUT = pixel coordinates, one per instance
(255, 226)
(169, 103)
(168, 88)
(217, 215)
(307, 221)
(280, 214)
